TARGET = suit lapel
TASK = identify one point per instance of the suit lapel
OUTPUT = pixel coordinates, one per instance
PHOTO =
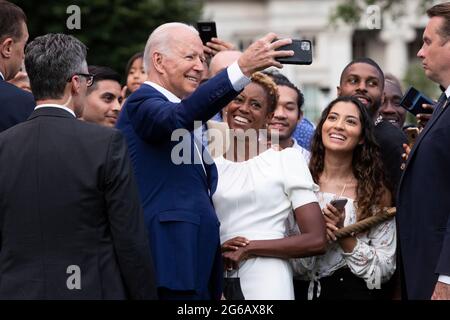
(197, 157)
(438, 112)
(208, 168)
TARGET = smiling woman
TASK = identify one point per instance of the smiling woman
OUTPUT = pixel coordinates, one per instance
(346, 164)
(256, 193)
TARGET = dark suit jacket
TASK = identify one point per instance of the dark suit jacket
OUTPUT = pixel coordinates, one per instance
(423, 209)
(182, 223)
(16, 105)
(390, 139)
(68, 198)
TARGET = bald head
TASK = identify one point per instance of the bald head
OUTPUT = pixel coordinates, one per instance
(222, 60)
(161, 38)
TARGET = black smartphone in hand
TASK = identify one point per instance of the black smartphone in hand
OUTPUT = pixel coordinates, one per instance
(413, 101)
(302, 52)
(339, 203)
(207, 30)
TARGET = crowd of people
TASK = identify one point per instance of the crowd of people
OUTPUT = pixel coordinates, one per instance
(202, 166)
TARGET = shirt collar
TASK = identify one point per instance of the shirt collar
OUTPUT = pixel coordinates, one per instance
(1, 75)
(447, 92)
(55, 106)
(169, 95)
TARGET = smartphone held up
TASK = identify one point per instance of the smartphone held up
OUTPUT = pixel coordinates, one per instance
(207, 30)
(339, 203)
(302, 52)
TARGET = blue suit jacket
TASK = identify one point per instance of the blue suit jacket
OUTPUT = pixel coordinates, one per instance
(16, 105)
(424, 209)
(182, 224)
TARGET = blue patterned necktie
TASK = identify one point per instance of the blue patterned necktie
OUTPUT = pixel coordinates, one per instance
(441, 102)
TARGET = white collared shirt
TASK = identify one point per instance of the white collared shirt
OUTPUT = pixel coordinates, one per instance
(237, 78)
(55, 106)
(305, 153)
(166, 93)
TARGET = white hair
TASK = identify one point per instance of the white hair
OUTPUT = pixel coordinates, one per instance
(160, 39)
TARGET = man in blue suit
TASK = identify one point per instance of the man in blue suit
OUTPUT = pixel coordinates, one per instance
(182, 224)
(15, 104)
(424, 193)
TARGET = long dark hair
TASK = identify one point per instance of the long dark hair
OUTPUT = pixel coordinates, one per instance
(366, 162)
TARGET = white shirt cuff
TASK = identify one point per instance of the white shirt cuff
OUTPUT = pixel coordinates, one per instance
(237, 78)
(444, 279)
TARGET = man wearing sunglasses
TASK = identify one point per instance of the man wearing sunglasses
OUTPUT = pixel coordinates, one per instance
(70, 218)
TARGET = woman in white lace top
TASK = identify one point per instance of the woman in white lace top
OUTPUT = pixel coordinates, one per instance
(345, 163)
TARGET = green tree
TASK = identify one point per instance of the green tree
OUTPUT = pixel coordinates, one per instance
(113, 30)
(351, 11)
(415, 76)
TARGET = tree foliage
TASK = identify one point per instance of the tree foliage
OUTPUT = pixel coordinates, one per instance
(113, 30)
(351, 11)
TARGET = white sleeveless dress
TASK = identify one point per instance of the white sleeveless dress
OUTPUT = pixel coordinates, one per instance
(253, 199)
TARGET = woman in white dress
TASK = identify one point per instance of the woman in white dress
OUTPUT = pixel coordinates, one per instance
(345, 163)
(256, 191)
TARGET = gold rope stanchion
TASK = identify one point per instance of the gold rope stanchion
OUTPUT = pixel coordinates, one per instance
(385, 214)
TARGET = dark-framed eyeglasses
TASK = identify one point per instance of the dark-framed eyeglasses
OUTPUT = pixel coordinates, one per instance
(89, 78)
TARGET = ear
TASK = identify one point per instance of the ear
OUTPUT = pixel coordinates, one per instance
(339, 91)
(300, 116)
(361, 142)
(6, 48)
(157, 61)
(75, 85)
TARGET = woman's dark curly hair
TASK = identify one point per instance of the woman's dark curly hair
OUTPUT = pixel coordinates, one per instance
(366, 162)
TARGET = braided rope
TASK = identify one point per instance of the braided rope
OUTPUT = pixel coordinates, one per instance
(350, 230)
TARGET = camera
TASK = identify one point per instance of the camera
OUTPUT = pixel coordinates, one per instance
(413, 101)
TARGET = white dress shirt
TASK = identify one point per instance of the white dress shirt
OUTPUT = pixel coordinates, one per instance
(55, 106)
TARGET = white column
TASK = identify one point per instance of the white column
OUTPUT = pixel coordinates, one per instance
(396, 36)
(338, 54)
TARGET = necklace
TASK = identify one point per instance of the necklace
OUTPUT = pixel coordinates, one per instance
(350, 179)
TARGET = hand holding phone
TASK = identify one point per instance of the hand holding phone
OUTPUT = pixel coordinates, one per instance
(302, 52)
(412, 134)
(413, 101)
(207, 30)
(339, 203)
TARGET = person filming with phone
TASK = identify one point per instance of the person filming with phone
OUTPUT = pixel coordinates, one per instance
(179, 214)
(346, 164)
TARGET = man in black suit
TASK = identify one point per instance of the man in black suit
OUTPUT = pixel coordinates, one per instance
(71, 224)
(15, 104)
(363, 79)
(423, 200)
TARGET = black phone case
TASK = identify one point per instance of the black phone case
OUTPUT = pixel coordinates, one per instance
(339, 203)
(207, 30)
(413, 101)
(302, 52)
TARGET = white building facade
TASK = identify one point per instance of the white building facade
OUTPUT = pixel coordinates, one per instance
(391, 41)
